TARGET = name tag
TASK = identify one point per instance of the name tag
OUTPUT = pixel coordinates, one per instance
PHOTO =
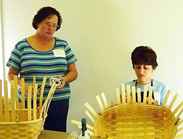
(59, 52)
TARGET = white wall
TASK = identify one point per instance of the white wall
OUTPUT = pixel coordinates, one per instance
(103, 33)
(1, 64)
(1, 32)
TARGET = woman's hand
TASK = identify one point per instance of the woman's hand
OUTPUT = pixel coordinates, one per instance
(59, 80)
(61, 83)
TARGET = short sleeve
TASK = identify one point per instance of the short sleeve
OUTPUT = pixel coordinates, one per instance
(163, 93)
(15, 59)
(70, 56)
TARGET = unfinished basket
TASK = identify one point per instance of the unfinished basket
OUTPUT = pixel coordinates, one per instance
(22, 114)
(131, 118)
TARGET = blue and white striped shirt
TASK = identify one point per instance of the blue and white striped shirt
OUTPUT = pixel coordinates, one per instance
(29, 62)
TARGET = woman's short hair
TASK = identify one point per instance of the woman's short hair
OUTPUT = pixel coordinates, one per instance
(44, 13)
(144, 55)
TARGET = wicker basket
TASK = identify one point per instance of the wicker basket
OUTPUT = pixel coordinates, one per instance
(126, 121)
(134, 117)
(21, 130)
(23, 118)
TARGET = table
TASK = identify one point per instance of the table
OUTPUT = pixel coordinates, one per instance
(48, 134)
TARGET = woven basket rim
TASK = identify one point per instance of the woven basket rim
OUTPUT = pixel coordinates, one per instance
(144, 106)
(21, 122)
(134, 104)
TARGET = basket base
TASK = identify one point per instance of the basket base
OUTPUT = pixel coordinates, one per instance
(20, 130)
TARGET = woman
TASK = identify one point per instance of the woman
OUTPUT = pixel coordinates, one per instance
(42, 54)
(144, 61)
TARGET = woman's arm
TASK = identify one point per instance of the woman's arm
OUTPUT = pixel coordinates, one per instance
(12, 73)
(72, 74)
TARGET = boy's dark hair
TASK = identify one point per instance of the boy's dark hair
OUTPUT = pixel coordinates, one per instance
(43, 13)
(144, 55)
